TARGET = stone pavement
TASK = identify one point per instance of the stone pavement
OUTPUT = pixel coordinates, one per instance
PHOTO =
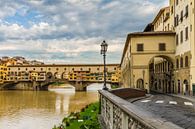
(187, 97)
(174, 109)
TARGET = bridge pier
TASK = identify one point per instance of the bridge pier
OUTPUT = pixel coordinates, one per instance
(80, 85)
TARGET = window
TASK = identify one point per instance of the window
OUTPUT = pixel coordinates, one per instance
(187, 8)
(41, 69)
(49, 68)
(177, 2)
(57, 69)
(181, 36)
(162, 47)
(33, 68)
(140, 47)
(186, 61)
(89, 69)
(26, 69)
(171, 9)
(186, 33)
(177, 63)
(181, 62)
(81, 69)
(181, 16)
(177, 39)
(64, 68)
(98, 69)
(18, 68)
(73, 69)
(177, 20)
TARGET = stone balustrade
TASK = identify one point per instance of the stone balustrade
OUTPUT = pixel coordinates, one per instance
(117, 113)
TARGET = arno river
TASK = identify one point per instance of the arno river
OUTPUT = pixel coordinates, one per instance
(40, 109)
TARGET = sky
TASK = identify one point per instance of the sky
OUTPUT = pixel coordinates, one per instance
(71, 31)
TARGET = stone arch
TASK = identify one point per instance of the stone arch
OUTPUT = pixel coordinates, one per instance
(161, 67)
(140, 83)
(167, 57)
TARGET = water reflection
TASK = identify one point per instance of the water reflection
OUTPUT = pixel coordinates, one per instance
(97, 86)
(39, 110)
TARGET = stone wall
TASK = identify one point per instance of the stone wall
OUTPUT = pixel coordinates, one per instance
(116, 113)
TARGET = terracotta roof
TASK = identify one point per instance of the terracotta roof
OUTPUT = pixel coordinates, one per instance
(62, 65)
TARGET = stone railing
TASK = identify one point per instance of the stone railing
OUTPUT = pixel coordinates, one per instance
(117, 113)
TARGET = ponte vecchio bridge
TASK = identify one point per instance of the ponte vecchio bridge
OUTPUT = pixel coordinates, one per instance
(40, 76)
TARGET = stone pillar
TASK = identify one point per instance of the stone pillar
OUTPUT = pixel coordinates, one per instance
(146, 77)
(192, 43)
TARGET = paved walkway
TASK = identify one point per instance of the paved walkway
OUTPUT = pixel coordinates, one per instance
(187, 97)
(174, 109)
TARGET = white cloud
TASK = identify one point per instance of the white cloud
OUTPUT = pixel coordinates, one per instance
(71, 28)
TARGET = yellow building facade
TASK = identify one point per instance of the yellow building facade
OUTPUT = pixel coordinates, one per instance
(3, 73)
(70, 72)
(140, 50)
(179, 18)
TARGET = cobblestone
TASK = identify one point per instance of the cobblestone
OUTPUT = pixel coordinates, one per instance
(172, 109)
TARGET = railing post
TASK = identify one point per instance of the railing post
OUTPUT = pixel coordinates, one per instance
(124, 121)
(111, 116)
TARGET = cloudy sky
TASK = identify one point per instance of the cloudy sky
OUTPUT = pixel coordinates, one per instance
(71, 31)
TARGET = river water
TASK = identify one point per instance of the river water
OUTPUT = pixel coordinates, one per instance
(40, 109)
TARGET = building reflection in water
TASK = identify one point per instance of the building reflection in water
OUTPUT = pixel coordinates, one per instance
(41, 109)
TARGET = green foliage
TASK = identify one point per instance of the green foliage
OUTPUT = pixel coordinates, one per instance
(86, 119)
(114, 86)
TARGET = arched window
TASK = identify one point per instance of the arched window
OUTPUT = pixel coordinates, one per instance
(177, 63)
(181, 62)
(186, 61)
(140, 83)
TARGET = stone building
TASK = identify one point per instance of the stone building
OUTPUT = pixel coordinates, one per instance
(179, 18)
(3, 72)
(141, 50)
(70, 72)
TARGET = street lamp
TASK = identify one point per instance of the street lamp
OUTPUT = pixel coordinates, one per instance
(104, 47)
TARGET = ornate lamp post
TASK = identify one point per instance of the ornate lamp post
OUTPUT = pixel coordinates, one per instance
(104, 47)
